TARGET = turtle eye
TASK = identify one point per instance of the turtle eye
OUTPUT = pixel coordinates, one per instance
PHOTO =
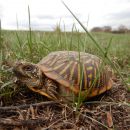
(28, 68)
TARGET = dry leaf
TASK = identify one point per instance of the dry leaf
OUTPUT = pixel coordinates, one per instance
(109, 119)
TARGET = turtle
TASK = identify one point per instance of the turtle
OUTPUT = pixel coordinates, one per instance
(63, 75)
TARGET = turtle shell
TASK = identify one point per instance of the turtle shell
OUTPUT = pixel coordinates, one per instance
(77, 71)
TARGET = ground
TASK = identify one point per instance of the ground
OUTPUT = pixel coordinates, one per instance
(108, 111)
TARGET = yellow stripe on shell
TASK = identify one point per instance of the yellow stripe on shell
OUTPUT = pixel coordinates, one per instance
(95, 74)
(72, 71)
(90, 79)
(78, 74)
(53, 61)
(98, 74)
(89, 68)
(95, 71)
(49, 60)
(85, 77)
(64, 69)
(60, 65)
(90, 76)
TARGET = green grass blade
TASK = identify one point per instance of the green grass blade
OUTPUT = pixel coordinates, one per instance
(30, 35)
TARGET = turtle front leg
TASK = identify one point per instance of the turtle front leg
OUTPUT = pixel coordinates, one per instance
(51, 88)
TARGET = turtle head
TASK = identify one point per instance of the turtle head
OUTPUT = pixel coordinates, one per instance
(31, 75)
(28, 74)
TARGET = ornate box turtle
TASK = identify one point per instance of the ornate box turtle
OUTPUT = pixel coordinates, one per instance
(65, 74)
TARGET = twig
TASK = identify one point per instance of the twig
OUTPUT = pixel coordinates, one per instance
(29, 122)
(28, 105)
(109, 103)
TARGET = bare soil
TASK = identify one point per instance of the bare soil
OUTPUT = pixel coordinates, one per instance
(29, 111)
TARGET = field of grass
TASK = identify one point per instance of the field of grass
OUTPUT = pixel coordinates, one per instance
(33, 46)
(21, 45)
